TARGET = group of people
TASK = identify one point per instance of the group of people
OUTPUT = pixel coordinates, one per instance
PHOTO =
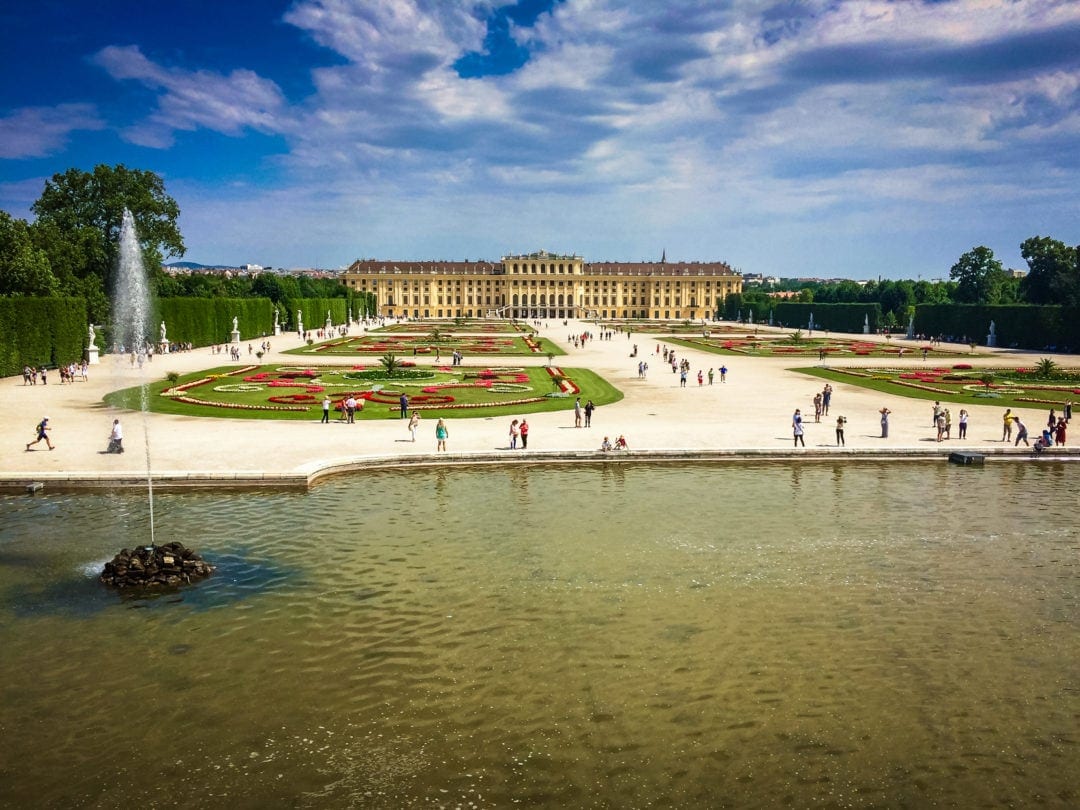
(620, 444)
(583, 413)
(942, 421)
(519, 429)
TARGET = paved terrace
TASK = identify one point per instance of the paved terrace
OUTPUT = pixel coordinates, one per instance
(749, 416)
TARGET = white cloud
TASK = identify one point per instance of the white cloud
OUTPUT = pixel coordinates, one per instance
(33, 132)
(192, 100)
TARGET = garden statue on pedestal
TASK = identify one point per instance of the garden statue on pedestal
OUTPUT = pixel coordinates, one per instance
(277, 325)
(235, 336)
(866, 325)
(329, 323)
(299, 323)
(991, 339)
(91, 347)
(163, 342)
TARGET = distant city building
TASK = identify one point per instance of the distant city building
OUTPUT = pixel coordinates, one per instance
(545, 285)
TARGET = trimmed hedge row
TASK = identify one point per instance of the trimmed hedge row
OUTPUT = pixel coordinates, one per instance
(41, 332)
(314, 311)
(1019, 326)
(209, 321)
(834, 317)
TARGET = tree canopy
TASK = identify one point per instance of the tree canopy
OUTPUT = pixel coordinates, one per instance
(980, 278)
(1053, 271)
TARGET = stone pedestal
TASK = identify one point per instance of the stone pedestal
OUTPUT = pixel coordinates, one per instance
(235, 337)
(277, 329)
(92, 355)
(163, 347)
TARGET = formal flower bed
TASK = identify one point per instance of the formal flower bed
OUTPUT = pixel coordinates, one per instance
(963, 382)
(783, 346)
(301, 389)
(423, 345)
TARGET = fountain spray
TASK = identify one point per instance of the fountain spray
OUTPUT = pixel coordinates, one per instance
(131, 316)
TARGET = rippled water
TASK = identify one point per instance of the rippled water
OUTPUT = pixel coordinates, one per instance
(631, 636)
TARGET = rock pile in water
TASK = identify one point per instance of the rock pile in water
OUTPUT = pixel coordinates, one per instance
(164, 566)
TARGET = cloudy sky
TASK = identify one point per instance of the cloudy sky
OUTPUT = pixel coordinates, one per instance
(814, 137)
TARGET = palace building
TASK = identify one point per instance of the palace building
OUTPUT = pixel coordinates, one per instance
(545, 285)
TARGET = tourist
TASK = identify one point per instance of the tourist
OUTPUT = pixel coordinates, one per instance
(937, 413)
(1059, 433)
(326, 410)
(116, 438)
(403, 403)
(817, 407)
(350, 409)
(948, 424)
(441, 434)
(578, 415)
(1052, 421)
(840, 422)
(620, 443)
(723, 373)
(884, 422)
(797, 428)
(414, 423)
(826, 398)
(42, 435)
(682, 378)
(1067, 411)
(524, 431)
(1021, 432)
(605, 445)
(1006, 433)
(940, 421)
(589, 408)
(700, 377)
(963, 424)
(514, 433)
(710, 376)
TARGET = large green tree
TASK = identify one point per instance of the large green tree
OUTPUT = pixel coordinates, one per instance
(1053, 272)
(80, 213)
(979, 277)
(24, 267)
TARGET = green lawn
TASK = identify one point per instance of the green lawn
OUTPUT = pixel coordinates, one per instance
(1010, 388)
(784, 346)
(429, 346)
(296, 392)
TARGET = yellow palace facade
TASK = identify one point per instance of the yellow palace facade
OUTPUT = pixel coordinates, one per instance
(545, 285)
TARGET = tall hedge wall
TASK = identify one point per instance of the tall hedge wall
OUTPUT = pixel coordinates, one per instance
(314, 311)
(1015, 326)
(41, 332)
(834, 317)
(209, 321)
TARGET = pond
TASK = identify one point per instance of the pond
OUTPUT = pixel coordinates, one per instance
(849, 634)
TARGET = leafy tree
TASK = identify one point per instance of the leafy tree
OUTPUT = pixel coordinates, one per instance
(24, 267)
(979, 277)
(86, 209)
(1054, 272)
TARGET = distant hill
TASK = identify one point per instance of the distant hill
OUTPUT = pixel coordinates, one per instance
(191, 266)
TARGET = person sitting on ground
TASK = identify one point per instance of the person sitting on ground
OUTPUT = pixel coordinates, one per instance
(620, 443)
(605, 445)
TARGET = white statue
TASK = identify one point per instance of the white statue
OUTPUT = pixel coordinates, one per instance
(92, 334)
(275, 318)
(235, 324)
(162, 330)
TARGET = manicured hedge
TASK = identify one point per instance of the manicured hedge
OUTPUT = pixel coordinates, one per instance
(1019, 326)
(41, 332)
(209, 321)
(314, 311)
(834, 317)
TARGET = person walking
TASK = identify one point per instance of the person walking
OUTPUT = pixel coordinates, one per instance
(441, 435)
(414, 423)
(523, 429)
(42, 434)
(723, 373)
(325, 410)
(797, 428)
(884, 422)
(116, 438)
(840, 422)
(1006, 432)
(403, 404)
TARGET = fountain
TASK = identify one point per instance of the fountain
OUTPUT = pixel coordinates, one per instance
(131, 315)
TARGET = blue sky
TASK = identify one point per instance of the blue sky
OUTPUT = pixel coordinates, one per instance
(822, 138)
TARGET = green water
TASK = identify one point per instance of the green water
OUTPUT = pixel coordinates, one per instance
(635, 636)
